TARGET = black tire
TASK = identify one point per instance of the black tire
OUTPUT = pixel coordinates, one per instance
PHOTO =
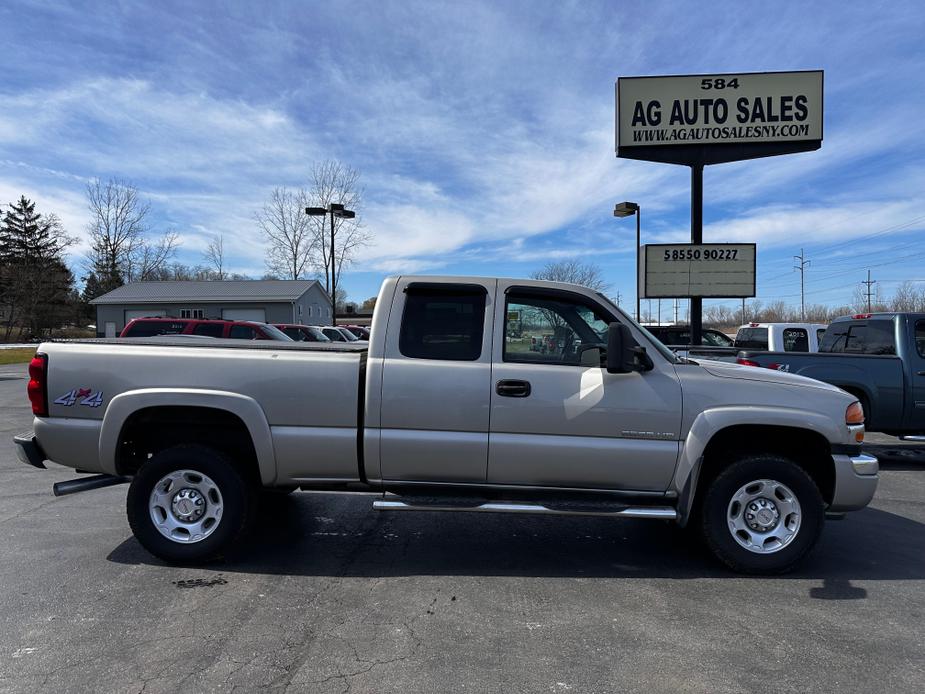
(237, 495)
(714, 517)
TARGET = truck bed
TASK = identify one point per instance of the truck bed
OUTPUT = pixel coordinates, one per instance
(305, 396)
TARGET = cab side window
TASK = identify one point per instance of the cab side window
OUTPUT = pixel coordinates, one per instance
(443, 324)
(209, 329)
(551, 329)
(920, 337)
(242, 332)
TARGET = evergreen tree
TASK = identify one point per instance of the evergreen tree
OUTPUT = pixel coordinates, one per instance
(35, 282)
(27, 237)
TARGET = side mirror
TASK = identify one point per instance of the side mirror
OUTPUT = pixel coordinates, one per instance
(591, 355)
(623, 354)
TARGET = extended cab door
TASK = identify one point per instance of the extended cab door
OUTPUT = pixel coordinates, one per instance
(558, 423)
(436, 382)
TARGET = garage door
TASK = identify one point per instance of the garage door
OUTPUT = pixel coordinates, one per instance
(257, 314)
(144, 313)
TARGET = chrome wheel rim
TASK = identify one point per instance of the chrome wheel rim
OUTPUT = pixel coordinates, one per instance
(764, 516)
(186, 506)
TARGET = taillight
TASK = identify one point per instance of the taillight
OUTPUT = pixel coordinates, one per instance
(746, 362)
(38, 385)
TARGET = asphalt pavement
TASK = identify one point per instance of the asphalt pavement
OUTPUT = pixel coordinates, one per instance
(333, 597)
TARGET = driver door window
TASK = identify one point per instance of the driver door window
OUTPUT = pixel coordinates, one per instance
(551, 331)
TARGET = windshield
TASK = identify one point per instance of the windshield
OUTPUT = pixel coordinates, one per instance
(316, 333)
(349, 335)
(625, 317)
(714, 338)
(752, 338)
(275, 333)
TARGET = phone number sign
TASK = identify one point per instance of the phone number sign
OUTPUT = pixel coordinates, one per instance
(708, 270)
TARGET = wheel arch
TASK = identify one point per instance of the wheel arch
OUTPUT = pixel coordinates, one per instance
(709, 450)
(161, 417)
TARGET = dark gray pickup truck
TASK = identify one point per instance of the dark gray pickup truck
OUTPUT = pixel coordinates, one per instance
(877, 357)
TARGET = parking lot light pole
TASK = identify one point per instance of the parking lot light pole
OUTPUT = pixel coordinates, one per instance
(335, 210)
(625, 209)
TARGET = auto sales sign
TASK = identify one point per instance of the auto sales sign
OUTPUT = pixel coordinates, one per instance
(768, 108)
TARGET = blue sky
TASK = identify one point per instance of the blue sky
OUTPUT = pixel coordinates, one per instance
(483, 131)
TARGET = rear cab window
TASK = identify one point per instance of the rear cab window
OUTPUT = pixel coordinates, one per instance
(860, 337)
(795, 340)
(444, 324)
(752, 338)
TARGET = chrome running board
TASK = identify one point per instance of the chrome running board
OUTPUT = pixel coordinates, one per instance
(564, 509)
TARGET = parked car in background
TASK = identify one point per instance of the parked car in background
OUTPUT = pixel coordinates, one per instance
(673, 335)
(303, 333)
(361, 331)
(715, 345)
(239, 330)
(877, 357)
(338, 334)
(780, 337)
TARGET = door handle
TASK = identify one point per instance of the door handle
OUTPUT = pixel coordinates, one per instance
(921, 373)
(512, 388)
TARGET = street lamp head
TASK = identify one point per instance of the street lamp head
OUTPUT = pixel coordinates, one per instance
(315, 211)
(345, 214)
(625, 209)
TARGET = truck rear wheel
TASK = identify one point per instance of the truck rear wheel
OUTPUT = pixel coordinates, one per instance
(762, 515)
(189, 503)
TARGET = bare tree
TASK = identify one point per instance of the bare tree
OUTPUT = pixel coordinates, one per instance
(575, 272)
(906, 298)
(334, 182)
(152, 256)
(292, 244)
(120, 250)
(214, 255)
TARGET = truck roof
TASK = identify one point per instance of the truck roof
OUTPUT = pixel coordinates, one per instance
(879, 314)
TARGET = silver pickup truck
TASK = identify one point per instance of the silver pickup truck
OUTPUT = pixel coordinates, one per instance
(450, 409)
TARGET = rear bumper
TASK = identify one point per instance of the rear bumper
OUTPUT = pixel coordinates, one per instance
(856, 478)
(29, 451)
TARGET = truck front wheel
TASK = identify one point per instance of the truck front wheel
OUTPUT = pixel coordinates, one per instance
(189, 503)
(762, 515)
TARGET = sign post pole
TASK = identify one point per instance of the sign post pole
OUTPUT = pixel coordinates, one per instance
(697, 120)
(696, 237)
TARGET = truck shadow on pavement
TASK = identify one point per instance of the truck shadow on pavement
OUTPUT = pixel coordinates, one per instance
(340, 536)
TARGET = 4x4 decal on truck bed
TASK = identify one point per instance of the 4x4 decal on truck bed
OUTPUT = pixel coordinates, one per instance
(86, 396)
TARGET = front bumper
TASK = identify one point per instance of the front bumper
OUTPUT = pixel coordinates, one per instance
(29, 451)
(856, 478)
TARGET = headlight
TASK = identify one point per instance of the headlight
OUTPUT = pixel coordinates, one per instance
(854, 414)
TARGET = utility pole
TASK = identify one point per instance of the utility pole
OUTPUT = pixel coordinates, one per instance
(677, 303)
(801, 266)
(870, 283)
(743, 311)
